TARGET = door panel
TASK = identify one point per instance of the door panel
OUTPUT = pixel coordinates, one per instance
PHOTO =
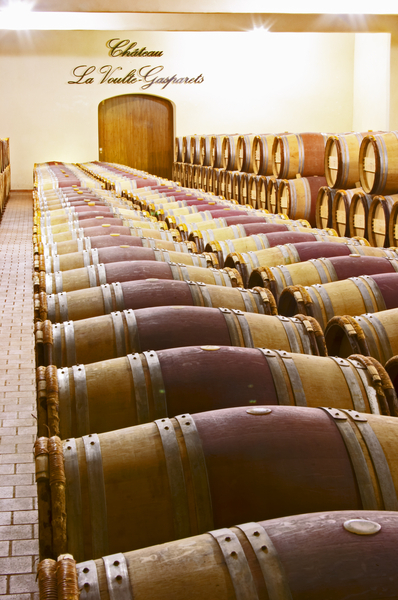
(137, 130)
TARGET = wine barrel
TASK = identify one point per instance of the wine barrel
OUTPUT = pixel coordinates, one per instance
(246, 262)
(262, 153)
(101, 241)
(130, 229)
(206, 215)
(272, 194)
(206, 176)
(321, 270)
(352, 296)
(173, 478)
(112, 220)
(204, 237)
(260, 241)
(78, 279)
(210, 181)
(341, 210)
(358, 215)
(188, 174)
(107, 298)
(216, 183)
(244, 189)
(245, 151)
(231, 188)
(222, 183)
(252, 193)
(378, 220)
(373, 335)
(178, 149)
(378, 166)
(186, 148)
(205, 150)
(297, 197)
(299, 154)
(322, 540)
(323, 207)
(341, 160)
(194, 150)
(47, 220)
(230, 152)
(197, 177)
(113, 394)
(120, 333)
(111, 254)
(216, 156)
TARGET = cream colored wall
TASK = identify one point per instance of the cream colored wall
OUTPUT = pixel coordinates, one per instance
(252, 83)
(372, 82)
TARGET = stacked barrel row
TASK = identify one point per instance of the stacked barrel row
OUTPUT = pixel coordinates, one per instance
(185, 405)
(354, 191)
(5, 172)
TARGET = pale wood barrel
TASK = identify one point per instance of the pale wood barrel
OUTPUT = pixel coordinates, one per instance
(378, 163)
(378, 220)
(194, 150)
(262, 153)
(297, 198)
(230, 152)
(246, 262)
(373, 335)
(205, 150)
(272, 194)
(298, 153)
(342, 160)
(216, 156)
(323, 207)
(186, 149)
(245, 150)
(321, 270)
(216, 176)
(358, 216)
(341, 210)
(252, 193)
(353, 296)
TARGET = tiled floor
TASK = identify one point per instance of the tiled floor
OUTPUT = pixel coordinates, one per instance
(18, 503)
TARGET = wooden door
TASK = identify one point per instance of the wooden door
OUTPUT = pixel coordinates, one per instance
(137, 130)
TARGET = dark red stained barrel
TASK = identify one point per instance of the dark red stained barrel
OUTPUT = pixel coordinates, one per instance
(138, 294)
(205, 374)
(103, 241)
(86, 207)
(254, 228)
(101, 212)
(78, 203)
(141, 269)
(106, 220)
(111, 255)
(223, 213)
(388, 285)
(291, 237)
(197, 326)
(290, 461)
(307, 250)
(355, 265)
(244, 218)
(99, 230)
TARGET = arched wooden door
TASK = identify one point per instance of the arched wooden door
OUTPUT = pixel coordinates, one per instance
(137, 130)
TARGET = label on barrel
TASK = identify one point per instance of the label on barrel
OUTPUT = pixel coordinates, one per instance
(229, 188)
(237, 190)
(277, 156)
(226, 154)
(341, 216)
(257, 154)
(332, 162)
(370, 164)
(359, 221)
(253, 195)
(379, 226)
(241, 153)
(324, 211)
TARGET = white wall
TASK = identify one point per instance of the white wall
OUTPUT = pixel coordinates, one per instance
(263, 82)
(372, 81)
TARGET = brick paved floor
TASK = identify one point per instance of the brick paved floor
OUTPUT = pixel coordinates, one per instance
(18, 505)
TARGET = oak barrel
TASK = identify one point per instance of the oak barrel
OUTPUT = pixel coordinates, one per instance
(342, 159)
(298, 154)
(379, 218)
(378, 163)
(297, 198)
